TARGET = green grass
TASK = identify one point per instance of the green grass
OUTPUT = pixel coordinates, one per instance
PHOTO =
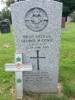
(55, 97)
(67, 60)
(67, 65)
(6, 56)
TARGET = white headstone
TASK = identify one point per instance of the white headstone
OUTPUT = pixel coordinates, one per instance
(37, 25)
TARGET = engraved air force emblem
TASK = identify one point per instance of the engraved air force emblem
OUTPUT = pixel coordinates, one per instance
(36, 19)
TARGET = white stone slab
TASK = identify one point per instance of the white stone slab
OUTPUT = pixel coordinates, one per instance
(37, 27)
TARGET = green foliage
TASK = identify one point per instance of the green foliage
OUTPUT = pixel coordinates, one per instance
(67, 60)
(9, 2)
(69, 89)
(73, 15)
(6, 14)
(7, 79)
(69, 6)
(54, 97)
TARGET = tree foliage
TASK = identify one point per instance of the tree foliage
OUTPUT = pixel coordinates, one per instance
(9, 2)
(68, 6)
(73, 15)
(6, 14)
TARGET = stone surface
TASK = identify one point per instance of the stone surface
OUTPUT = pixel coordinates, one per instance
(37, 25)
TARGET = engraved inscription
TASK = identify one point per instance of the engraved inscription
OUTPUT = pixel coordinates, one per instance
(37, 76)
(36, 19)
(37, 41)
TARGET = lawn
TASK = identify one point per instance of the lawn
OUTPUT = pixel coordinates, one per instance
(6, 56)
(67, 60)
(67, 65)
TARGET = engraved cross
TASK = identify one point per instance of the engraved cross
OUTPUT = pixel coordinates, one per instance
(37, 57)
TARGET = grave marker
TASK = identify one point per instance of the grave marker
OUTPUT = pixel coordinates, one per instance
(5, 26)
(37, 27)
(18, 72)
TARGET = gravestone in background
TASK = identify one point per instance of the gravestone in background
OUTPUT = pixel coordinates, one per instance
(37, 25)
(5, 26)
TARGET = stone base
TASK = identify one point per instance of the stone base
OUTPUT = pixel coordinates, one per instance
(33, 96)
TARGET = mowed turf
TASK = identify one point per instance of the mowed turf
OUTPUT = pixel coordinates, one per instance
(7, 49)
(67, 60)
(66, 71)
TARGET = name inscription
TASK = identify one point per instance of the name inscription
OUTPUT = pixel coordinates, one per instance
(36, 41)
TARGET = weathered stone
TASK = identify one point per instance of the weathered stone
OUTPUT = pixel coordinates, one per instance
(37, 25)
